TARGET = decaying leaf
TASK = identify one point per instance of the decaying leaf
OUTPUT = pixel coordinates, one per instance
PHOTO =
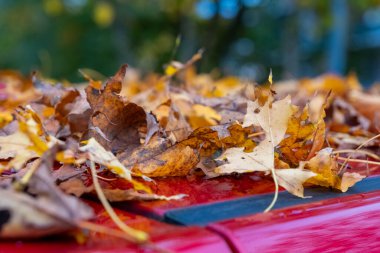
(76, 187)
(156, 159)
(326, 167)
(43, 210)
(292, 180)
(349, 179)
(273, 119)
(296, 146)
(99, 155)
(117, 119)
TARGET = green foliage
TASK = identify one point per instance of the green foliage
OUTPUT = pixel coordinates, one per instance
(57, 37)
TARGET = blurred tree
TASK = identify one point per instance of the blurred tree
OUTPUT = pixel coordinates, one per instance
(241, 37)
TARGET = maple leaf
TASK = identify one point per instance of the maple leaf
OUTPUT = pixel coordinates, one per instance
(305, 132)
(349, 179)
(292, 179)
(273, 119)
(156, 159)
(318, 139)
(209, 140)
(294, 147)
(13, 144)
(326, 168)
(118, 121)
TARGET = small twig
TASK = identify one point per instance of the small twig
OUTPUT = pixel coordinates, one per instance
(275, 197)
(364, 152)
(273, 171)
(367, 169)
(360, 146)
(357, 161)
(255, 134)
(106, 179)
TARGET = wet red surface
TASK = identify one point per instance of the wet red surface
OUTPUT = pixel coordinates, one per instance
(201, 191)
(348, 224)
(163, 236)
(335, 224)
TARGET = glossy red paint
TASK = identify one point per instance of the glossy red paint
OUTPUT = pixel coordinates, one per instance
(163, 236)
(202, 191)
(335, 225)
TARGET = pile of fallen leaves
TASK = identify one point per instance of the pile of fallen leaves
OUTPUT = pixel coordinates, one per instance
(59, 142)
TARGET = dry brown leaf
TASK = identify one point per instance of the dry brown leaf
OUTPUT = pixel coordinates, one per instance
(177, 128)
(296, 146)
(160, 158)
(348, 180)
(117, 119)
(43, 210)
(325, 165)
(152, 126)
(320, 129)
(208, 139)
(76, 187)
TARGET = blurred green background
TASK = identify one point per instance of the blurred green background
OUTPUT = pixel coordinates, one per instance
(295, 38)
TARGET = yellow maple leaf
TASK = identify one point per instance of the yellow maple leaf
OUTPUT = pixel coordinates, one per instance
(325, 165)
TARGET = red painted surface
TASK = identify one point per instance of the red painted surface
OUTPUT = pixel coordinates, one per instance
(163, 236)
(202, 191)
(198, 189)
(335, 225)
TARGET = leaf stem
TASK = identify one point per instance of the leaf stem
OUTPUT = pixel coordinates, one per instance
(360, 146)
(364, 152)
(255, 134)
(134, 235)
(358, 161)
(275, 197)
